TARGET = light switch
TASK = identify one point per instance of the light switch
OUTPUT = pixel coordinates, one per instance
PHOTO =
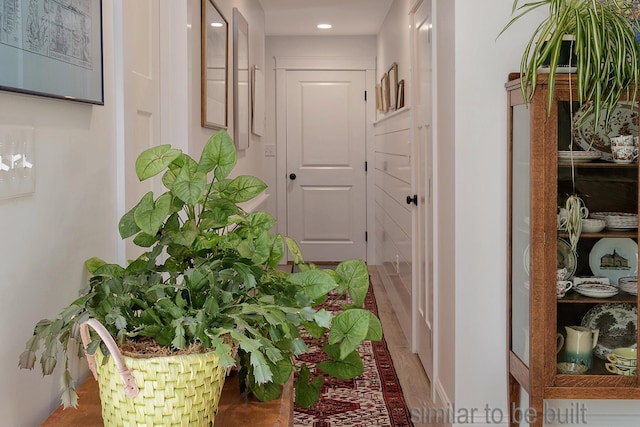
(17, 161)
(269, 150)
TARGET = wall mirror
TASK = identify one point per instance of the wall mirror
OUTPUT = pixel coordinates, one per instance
(241, 93)
(215, 30)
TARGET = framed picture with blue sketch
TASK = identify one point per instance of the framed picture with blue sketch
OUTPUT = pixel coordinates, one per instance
(52, 48)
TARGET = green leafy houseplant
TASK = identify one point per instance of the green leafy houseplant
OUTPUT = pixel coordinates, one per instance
(605, 49)
(209, 280)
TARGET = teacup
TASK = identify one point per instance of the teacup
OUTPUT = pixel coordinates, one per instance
(627, 371)
(622, 140)
(624, 153)
(562, 273)
(623, 357)
(562, 222)
(562, 286)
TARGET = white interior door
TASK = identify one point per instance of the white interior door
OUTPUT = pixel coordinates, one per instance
(326, 146)
(423, 304)
(141, 96)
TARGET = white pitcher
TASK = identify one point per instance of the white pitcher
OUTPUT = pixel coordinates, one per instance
(579, 344)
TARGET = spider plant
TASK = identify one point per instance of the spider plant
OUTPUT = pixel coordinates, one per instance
(605, 48)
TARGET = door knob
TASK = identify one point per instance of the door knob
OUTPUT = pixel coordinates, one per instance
(292, 176)
(412, 199)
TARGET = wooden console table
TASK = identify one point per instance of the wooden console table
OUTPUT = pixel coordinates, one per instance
(233, 409)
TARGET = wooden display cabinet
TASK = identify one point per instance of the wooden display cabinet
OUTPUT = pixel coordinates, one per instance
(538, 185)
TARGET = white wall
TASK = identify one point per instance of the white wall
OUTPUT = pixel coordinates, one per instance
(444, 204)
(482, 64)
(47, 236)
(391, 168)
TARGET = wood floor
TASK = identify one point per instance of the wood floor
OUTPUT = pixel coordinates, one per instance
(413, 380)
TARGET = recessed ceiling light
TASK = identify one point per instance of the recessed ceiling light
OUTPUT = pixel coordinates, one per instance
(324, 26)
(216, 24)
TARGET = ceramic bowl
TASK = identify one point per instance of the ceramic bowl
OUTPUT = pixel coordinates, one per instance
(593, 225)
(571, 368)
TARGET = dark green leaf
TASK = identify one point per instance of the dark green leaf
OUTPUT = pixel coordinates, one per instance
(347, 367)
(127, 225)
(144, 240)
(307, 392)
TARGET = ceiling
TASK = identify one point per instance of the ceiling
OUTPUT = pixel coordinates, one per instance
(300, 17)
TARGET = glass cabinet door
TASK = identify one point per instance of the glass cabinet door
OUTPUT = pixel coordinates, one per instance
(520, 235)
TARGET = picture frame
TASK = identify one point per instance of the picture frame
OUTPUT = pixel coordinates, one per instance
(400, 103)
(379, 97)
(214, 63)
(53, 49)
(384, 82)
(241, 92)
(257, 101)
(393, 83)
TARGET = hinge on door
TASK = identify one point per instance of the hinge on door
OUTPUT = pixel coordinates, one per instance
(366, 166)
(366, 236)
(365, 96)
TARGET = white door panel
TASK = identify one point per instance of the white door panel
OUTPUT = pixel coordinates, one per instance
(141, 63)
(326, 192)
(423, 307)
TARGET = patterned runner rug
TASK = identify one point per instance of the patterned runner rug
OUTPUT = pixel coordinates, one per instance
(373, 399)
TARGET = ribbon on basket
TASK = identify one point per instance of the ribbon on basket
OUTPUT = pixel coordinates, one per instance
(130, 387)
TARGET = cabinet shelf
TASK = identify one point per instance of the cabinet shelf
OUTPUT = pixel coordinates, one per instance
(599, 165)
(632, 234)
(575, 298)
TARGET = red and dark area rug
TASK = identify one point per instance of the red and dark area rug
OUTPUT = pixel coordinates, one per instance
(373, 399)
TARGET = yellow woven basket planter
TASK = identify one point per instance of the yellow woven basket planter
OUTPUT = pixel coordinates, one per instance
(173, 391)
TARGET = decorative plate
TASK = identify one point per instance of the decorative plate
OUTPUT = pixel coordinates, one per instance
(578, 280)
(578, 156)
(624, 121)
(614, 258)
(567, 258)
(596, 290)
(526, 260)
(618, 325)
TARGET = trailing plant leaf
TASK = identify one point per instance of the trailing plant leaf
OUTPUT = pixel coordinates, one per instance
(349, 366)
(606, 50)
(307, 392)
(354, 279)
(349, 329)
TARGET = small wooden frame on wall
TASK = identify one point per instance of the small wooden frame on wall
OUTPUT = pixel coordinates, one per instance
(257, 101)
(215, 30)
(400, 103)
(241, 71)
(52, 49)
(385, 92)
(393, 83)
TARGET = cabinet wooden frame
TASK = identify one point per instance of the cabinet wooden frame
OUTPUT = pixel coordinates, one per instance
(537, 376)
